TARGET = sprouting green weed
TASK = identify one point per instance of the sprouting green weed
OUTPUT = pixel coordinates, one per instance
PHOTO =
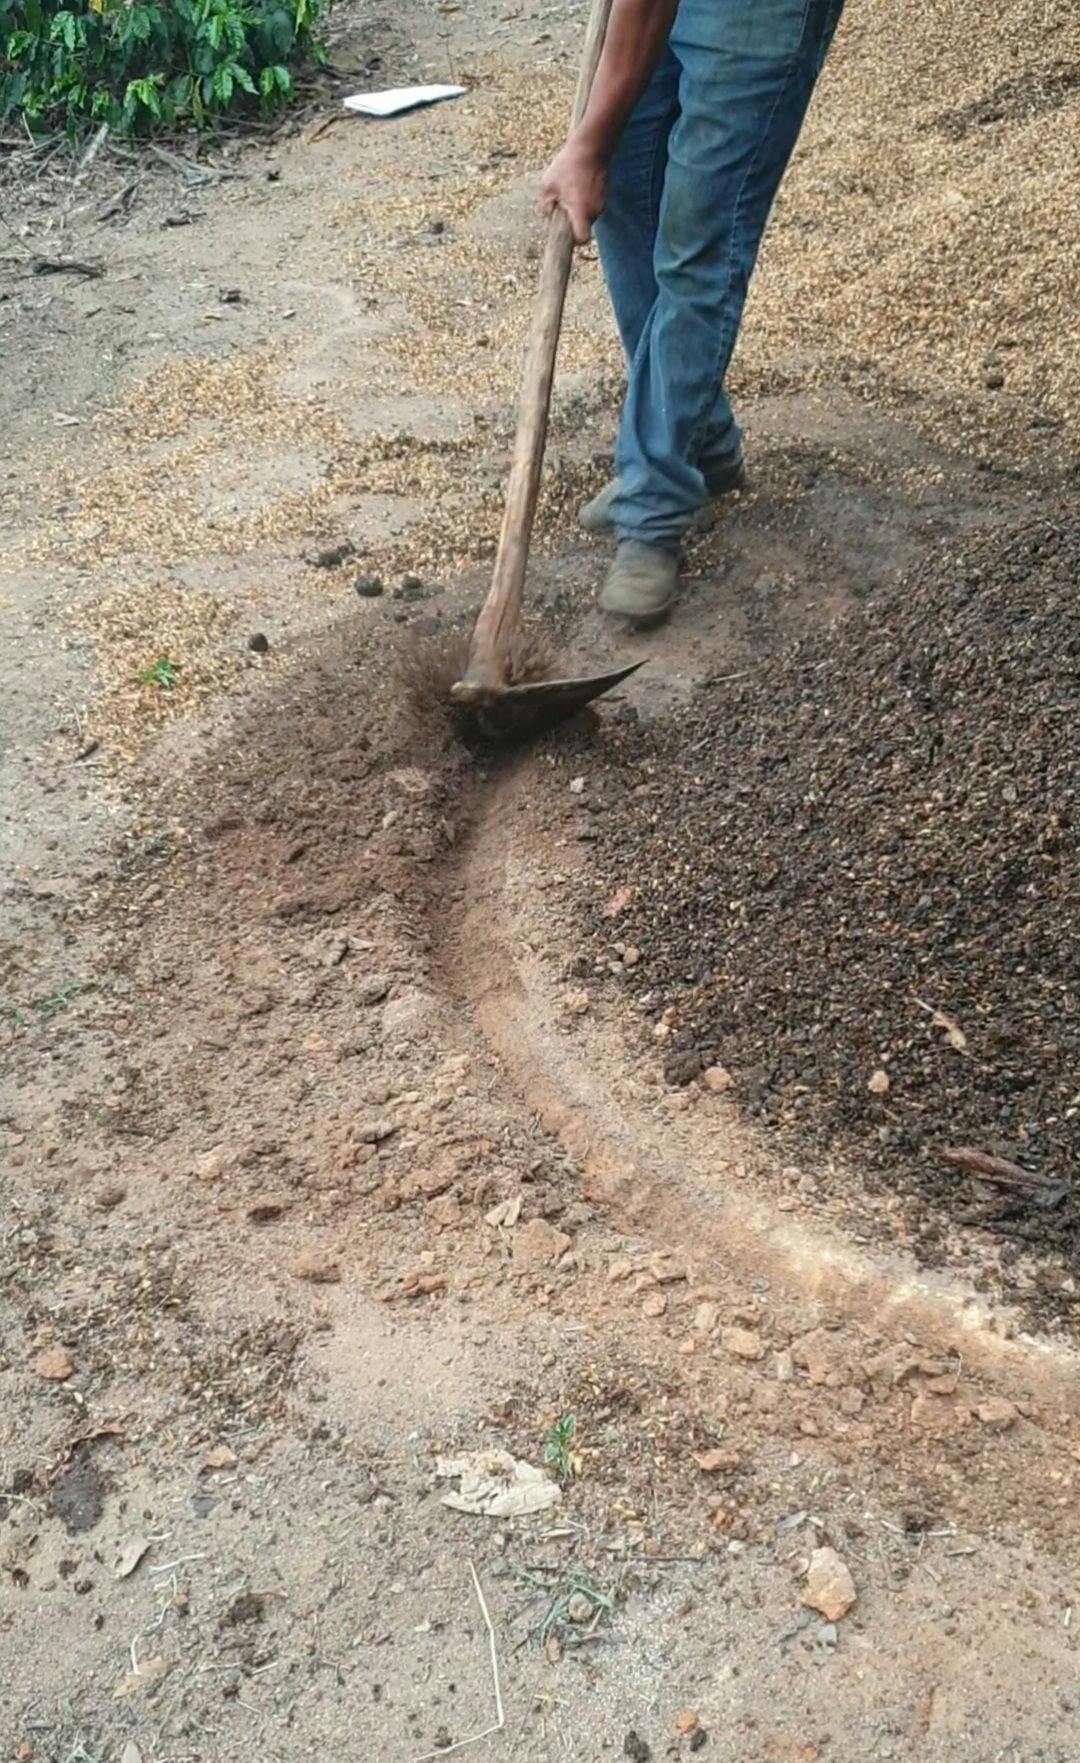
(46, 1007)
(557, 1447)
(162, 673)
(565, 1594)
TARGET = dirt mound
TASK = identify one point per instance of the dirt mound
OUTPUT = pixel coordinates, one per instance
(856, 880)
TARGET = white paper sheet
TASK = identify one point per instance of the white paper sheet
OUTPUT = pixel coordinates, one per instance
(400, 98)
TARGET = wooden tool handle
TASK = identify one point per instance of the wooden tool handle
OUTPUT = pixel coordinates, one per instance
(501, 611)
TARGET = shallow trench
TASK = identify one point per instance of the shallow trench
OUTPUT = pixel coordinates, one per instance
(699, 1182)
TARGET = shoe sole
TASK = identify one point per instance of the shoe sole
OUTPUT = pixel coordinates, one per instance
(654, 616)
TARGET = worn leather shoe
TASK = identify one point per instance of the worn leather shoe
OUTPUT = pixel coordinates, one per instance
(642, 582)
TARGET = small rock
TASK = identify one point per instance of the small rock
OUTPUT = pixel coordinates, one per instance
(505, 1215)
(577, 786)
(686, 1722)
(784, 1366)
(742, 1343)
(427, 1184)
(212, 1165)
(55, 1364)
(635, 1748)
(266, 1211)
(259, 643)
(420, 1283)
(664, 1270)
(317, 1269)
(997, 1414)
(878, 1083)
(334, 555)
(655, 1305)
(373, 989)
(706, 1317)
(369, 587)
(829, 1587)
(445, 1212)
(718, 1462)
(717, 1078)
(994, 380)
(219, 1457)
(538, 1243)
(631, 956)
(576, 1003)
(135, 1683)
(580, 1608)
(821, 1355)
(107, 1199)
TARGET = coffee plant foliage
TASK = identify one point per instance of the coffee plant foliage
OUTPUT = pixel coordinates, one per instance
(143, 65)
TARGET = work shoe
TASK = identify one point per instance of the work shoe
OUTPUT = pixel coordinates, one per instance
(642, 581)
(720, 480)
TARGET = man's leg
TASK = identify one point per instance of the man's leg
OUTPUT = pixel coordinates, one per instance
(747, 72)
(626, 231)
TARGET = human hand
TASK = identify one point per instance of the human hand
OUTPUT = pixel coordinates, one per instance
(576, 182)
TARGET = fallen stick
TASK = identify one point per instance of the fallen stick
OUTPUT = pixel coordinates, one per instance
(994, 1169)
(67, 266)
(500, 1717)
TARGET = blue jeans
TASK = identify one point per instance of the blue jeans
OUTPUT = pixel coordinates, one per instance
(689, 192)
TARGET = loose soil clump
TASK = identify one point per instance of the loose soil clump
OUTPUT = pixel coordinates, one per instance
(856, 882)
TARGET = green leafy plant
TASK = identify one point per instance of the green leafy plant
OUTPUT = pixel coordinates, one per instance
(557, 1447)
(162, 673)
(141, 65)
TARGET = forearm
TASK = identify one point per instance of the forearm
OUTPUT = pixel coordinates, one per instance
(637, 33)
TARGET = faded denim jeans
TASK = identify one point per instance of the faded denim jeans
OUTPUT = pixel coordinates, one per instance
(689, 192)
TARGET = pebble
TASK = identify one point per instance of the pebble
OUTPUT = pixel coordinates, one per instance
(742, 1343)
(686, 1722)
(576, 1003)
(718, 1462)
(373, 989)
(369, 587)
(333, 555)
(717, 1078)
(538, 1243)
(829, 1587)
(55, 1365)
(655, 1305)
(316, 1268)
(419, 1283)
(580, 1608)
(259, 643)
(878, 1083)
(106, 1199)
(997, 1414)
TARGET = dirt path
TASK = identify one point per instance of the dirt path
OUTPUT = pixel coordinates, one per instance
(310, 1170)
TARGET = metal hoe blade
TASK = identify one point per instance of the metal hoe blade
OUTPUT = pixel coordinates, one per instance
(516, 712)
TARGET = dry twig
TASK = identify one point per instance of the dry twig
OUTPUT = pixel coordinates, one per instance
(500, 1718)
